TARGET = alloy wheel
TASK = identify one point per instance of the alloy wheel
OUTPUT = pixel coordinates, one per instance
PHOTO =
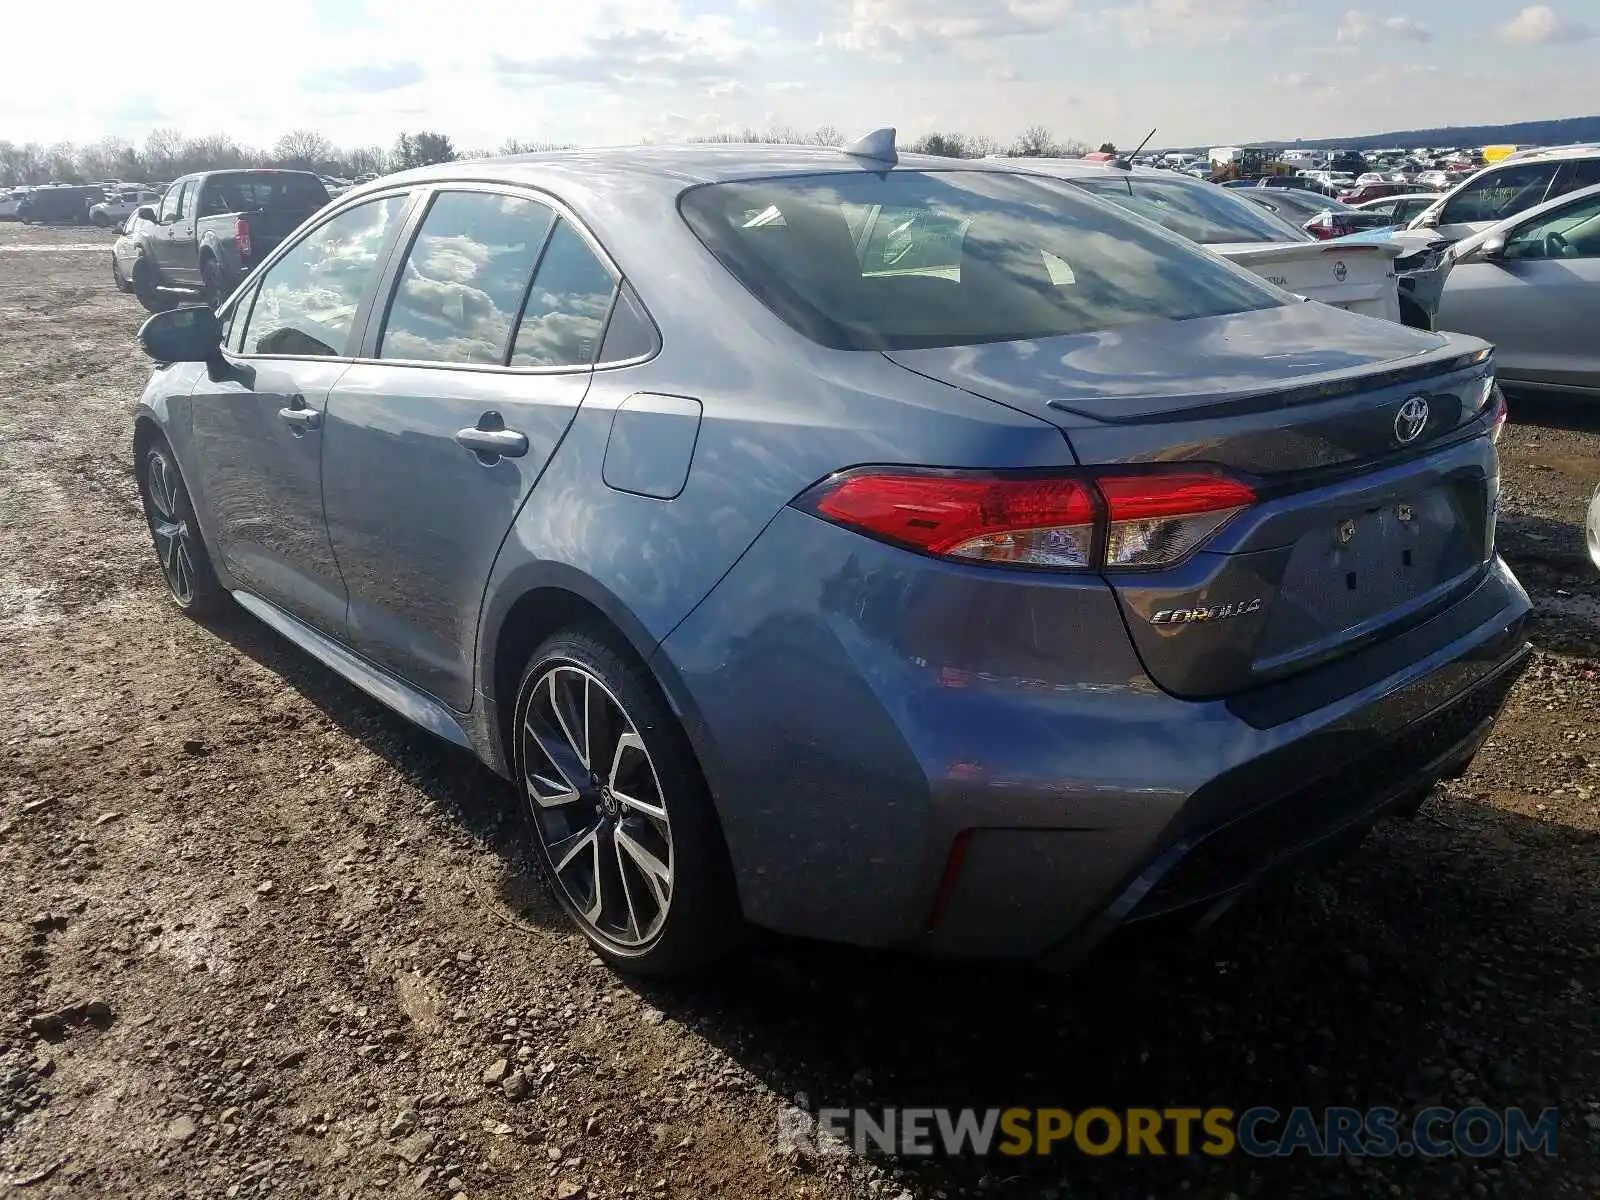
(173, 536)
(597, 805)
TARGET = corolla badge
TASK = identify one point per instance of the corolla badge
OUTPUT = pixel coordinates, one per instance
(1215, 612)
(1340, 271)
(1410, 421)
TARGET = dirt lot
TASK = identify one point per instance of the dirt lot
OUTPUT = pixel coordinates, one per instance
(258, 937)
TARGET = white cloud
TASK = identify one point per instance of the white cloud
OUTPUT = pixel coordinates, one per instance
(1408, 29)
(1356, 25)
(1146, 22)
(1539, 24)
(891, 26)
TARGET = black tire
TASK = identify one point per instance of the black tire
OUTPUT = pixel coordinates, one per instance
(700, 919)
(180, 546)
(213, 288)
(100, 220)
(147, 288)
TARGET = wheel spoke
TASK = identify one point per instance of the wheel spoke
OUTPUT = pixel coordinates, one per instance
(185, 570)
(627, 892)
(656, 873)
(556, 707)
(549, 789)
(158, 487)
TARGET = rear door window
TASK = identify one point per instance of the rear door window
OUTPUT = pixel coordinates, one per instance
(567, 305)
(910, 259)
(464, 279)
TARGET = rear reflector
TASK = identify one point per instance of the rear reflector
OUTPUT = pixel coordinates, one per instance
(1157, 520)
(1055, 522)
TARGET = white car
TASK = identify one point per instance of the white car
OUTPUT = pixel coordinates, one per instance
(1507, 188)
(114, 210)
(1531, 285)
(1357, 277)
(1400, 209)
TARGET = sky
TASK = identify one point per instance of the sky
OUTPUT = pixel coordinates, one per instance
(1201, 71)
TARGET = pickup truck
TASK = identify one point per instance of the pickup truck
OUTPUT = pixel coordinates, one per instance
(212, 228)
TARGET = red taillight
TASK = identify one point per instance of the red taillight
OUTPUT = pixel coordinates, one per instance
(1041, 521)
(241, 236)
(1055, 522)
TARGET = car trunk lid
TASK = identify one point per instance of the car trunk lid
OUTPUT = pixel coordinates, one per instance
(1375, 494)
(1342, 274)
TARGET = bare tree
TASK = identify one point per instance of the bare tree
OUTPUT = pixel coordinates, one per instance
(304, 149)
(161, 150)
(1035, 142)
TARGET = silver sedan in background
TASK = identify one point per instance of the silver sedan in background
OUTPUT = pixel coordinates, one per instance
(1531, 285)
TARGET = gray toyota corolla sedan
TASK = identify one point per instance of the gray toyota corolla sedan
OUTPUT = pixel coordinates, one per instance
(906, 552)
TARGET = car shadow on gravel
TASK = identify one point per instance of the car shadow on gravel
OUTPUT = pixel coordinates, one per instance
(1449, 961)
(477, 800)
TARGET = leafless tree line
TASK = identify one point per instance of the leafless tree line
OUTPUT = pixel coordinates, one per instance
(167, 153)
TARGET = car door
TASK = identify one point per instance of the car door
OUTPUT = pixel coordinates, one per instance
(256, 423)
(176, 225)
(434, 440)
(1537, 299)
(1490, 198)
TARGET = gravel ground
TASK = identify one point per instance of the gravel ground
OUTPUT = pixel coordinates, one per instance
(259, 937)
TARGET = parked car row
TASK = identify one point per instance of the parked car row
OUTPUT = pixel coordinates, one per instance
(954, 557)
(75, 204)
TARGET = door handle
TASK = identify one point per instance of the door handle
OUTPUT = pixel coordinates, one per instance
(491, 440)
(300, 417)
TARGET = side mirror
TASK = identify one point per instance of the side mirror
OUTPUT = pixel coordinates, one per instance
(180, 335)
(1493, 248)
(1428, 220)
(145, 213)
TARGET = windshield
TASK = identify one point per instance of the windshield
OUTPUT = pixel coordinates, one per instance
(1202, 214)
(909, 259)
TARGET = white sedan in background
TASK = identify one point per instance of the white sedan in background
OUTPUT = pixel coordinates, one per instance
(1359, 277)
(1531, 285)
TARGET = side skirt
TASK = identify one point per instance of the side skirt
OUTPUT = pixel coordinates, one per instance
(417, 707)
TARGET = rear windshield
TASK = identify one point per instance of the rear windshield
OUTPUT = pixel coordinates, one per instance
(909, 259)
(1202, 213)
(269, 191)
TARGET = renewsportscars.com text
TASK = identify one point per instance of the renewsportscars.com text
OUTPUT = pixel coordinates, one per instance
(1260, 1131)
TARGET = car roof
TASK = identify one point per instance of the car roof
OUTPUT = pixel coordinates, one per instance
(679, 166)
(1580, 150)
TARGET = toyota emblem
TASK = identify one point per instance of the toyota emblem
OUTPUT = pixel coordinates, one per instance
(1411, 420)
(1340, 271)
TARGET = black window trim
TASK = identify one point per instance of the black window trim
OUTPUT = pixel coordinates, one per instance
(388, 283)
(248, 290)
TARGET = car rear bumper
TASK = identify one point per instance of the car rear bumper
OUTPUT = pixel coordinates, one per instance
(909, 753)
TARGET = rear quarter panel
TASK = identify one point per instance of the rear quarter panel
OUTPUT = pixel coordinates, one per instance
(778, 414)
